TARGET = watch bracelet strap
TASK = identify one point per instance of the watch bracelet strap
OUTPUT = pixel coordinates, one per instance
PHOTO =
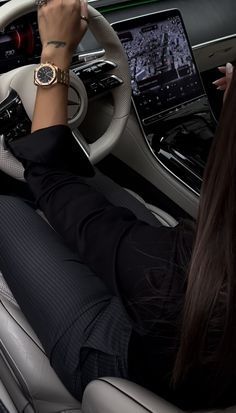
(63, 76)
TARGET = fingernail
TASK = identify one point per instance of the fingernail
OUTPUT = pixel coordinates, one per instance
(229, 68)
(215, 82)
(221, 68)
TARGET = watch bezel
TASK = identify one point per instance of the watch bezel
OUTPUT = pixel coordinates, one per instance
(45, 84)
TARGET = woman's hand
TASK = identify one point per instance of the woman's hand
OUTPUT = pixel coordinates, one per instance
(61, 29)
(224, 82)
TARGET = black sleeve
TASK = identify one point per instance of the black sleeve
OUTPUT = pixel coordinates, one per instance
(134, 259)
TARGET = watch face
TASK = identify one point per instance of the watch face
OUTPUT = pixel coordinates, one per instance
(46, 75)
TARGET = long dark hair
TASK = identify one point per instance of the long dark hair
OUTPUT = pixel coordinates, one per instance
(210, 302)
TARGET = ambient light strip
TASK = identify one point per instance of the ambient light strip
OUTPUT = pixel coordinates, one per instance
(123, 6)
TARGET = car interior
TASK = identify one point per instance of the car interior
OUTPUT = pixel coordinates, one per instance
(143, 74)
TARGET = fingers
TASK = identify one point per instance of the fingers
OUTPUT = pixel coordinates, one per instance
(63, 20)
(222, 69)
(220, 82)
(223, 87)
(84, 8)
(224, 82)
(229, 71)
(84, 20)
(84, 13)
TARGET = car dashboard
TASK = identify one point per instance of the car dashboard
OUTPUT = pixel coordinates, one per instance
(20, 41)
(211, 30)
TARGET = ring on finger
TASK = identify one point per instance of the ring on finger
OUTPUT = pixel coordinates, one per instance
(85, 19)
(40, 3)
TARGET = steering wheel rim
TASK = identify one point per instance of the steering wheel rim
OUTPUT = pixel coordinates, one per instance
(110, 42)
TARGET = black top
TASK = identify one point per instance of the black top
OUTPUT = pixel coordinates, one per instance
(146, 266)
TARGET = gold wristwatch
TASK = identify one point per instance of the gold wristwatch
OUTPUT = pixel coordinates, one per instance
(48, 74)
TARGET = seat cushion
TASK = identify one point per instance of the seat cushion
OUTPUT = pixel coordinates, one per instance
(26, 359)
(115, 395)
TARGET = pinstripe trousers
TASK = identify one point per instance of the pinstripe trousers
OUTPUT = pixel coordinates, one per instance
(67, 305)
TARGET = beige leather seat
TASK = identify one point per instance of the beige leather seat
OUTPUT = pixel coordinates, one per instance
(5, 400)
(113, 395)
(28, 383)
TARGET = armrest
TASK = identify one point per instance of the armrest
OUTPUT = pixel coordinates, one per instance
(114, 395)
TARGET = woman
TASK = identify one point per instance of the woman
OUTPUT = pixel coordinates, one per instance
(135, 299)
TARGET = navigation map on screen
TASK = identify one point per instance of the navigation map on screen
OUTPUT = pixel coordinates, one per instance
(163, 72)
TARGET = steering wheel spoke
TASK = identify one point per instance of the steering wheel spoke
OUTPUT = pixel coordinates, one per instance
(6, 103)
(14, 122)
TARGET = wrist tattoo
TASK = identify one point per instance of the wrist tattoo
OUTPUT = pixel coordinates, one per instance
(56, 43)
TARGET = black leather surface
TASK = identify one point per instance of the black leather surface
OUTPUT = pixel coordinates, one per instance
(204, 19)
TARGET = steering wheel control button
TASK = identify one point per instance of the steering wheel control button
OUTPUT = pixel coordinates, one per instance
(95, 82)
(106, 66)
(14, 122)
(110, 82)
(94, 88)
(90, 70)
(5, 116)
(84, 74)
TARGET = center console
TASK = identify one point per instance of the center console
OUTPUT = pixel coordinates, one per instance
(168, 94)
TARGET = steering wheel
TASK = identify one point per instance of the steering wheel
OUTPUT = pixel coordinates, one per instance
(20, 80)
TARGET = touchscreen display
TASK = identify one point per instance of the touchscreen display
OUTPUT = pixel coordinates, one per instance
(163, 71)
